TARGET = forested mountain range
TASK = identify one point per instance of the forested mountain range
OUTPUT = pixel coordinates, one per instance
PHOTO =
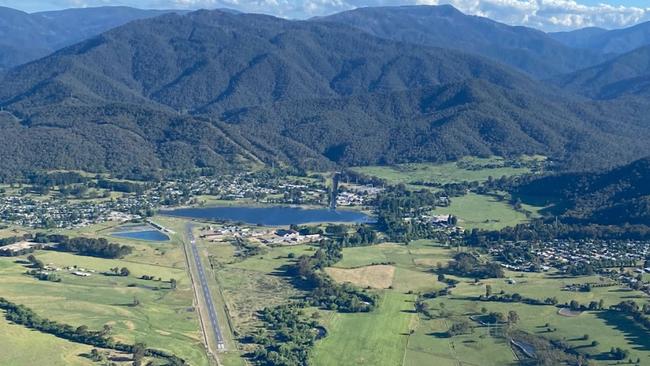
(616, 41)
(222, 89)
(628, 74)
(526, 49)
(26, 37)
(618, 196)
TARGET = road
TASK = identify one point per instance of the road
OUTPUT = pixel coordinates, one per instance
(201, 280)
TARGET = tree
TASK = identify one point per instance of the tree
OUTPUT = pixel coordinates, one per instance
(488, 290)
(513, 317)
(172, 283)
(36, 263)
(124, 272)
(138, 350)
(96, 356)
(422, 307)
(106, 330)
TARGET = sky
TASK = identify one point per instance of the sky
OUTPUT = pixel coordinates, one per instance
(549, 15)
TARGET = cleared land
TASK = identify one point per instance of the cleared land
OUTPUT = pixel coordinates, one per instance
(377, 338)
(22, 346)
(164, 318)
(482, 212)
(429, 345)
(378, 277)
(442, 173)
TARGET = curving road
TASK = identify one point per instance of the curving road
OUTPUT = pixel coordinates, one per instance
(202, 281)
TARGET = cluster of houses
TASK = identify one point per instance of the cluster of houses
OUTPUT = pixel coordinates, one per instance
(52, 211)
(21, 248)
(561, 254)
(356, 195)
(60, 213)
(260, 236)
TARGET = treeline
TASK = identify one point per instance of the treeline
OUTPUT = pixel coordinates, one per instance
(91, 247)
(538, 230)
(121, 186)
(73, 183)
(638, 314)
(20, 314)
(508, 298)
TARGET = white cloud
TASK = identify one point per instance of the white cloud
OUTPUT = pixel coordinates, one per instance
(551, 14)
(544, 14)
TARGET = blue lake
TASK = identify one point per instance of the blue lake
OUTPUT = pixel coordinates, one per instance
(148, 235)
(271, 216)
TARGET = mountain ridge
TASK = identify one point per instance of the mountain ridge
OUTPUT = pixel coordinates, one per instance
(221, 90)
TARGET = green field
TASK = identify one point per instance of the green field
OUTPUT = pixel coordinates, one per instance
(22, 346)
(164, 319)
(482, 212)
(429, 345)
(376, 338)
(440, 173)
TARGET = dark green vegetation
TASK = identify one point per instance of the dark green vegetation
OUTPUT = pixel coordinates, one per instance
(619, 196)
(26, 37)
(222, 90)
(625, 75)
(526, 49)
(287, 339)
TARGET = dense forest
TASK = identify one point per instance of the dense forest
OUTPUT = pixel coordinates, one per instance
(615, 197)
(218, 90)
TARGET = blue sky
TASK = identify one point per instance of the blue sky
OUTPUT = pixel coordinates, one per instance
(544, 14)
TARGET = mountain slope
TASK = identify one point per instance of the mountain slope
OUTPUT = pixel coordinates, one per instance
(472, 117)
(213, 61)
(577, 38)
(222, 90)
(25, 37)
(619, 196)
(628, 74)
(615, 41)
(526, 49)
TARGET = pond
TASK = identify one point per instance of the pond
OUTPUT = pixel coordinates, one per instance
(139, 232)
(271, 216)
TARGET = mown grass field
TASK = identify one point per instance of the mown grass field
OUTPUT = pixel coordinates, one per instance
(164, 318)
(482, 212)
(378, 338)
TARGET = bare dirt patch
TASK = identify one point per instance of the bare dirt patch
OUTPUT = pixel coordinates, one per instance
(379, 276)
(568, 312)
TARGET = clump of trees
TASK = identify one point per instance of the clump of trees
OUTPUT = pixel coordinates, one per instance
(287, 337)
(467, 265)
(398, 203)
(86, 246)
(458, 328)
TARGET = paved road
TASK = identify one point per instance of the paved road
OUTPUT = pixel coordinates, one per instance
(203, 283)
